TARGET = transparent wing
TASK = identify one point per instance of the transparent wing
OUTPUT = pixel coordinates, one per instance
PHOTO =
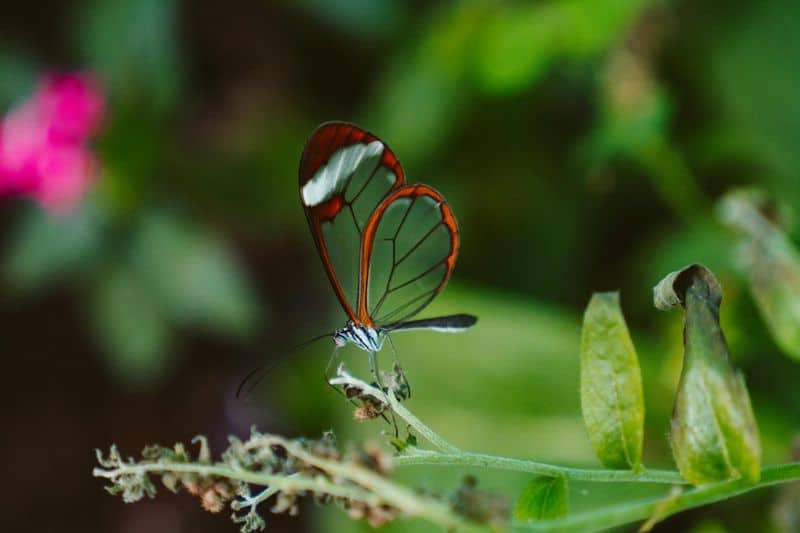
(409, 250)
(345, 172)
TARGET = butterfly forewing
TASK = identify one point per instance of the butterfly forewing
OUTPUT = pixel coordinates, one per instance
(409, 249)
(344, 173)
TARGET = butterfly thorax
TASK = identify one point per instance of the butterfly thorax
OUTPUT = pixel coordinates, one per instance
(366, 338)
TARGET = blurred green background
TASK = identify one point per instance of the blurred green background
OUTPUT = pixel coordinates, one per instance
(582, 145)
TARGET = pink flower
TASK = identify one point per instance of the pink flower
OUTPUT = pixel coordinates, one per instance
(43, 142)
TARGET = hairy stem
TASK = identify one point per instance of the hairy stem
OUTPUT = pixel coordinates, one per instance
(425, 457)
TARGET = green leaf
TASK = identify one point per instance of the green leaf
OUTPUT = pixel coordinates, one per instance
(611, 384)
(544, 498)
(46, 248)
(771, 262)
(134, 333)
(713, 432)
(192, 275)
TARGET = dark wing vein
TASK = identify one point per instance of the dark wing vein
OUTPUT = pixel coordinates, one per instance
(393, 268)
(419, 243)
(366, 183)
(353, 214)
(429, 294)
(419, 276)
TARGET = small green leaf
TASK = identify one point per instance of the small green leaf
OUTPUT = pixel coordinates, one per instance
(771, 262)
(713, 432)
(398, 444)
(612, 400)
(544, 498)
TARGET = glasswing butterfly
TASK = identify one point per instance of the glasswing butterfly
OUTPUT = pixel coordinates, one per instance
(388, 247)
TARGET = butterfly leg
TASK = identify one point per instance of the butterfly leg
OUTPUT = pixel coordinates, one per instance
(403, 384)
(373, 368)
(335, 357)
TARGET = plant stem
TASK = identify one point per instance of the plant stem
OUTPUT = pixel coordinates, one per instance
(659, 508)
(455, 456)
(425, 457)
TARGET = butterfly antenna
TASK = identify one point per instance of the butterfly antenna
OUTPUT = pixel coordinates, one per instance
(254, 377)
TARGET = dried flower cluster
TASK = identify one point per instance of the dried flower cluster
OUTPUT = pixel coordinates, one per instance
(368, 406)
(273, 467)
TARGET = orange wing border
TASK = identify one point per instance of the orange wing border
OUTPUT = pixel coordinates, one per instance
(368, 241)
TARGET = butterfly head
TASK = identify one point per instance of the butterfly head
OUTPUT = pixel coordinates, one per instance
(366, 338)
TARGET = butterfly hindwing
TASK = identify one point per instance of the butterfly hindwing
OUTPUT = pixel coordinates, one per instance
(408, 252)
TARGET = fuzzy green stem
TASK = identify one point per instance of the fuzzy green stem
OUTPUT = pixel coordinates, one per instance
(425, 457)
(660, 508)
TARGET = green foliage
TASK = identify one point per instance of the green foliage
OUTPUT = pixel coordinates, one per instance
(132, 329)
(192, 276)
(533, 29)
(768, 133)
(544, 498)
(771, 263)
(714, 434)
(612, 400)
(45, 250)
(132, 44)
(581, 144)
(519, 42)
(173, 275)
(167, 273)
